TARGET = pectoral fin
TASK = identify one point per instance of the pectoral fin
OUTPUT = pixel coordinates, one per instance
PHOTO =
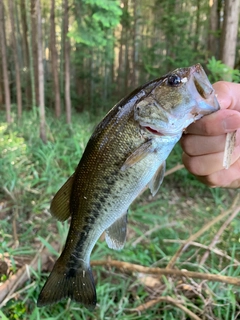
(139, 154)
(60, 208)
(115, 235)
(157, 179)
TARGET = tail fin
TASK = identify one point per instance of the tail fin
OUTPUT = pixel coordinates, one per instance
(75, 284)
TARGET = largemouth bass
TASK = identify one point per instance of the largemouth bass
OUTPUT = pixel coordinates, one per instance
(126, 153)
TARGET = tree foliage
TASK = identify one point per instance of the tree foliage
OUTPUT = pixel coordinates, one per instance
(115, 46)
(97, 19)
(220, 70)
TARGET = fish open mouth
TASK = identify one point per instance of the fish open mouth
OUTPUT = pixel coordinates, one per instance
(154, 131)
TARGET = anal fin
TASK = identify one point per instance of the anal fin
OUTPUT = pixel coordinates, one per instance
(115, 235)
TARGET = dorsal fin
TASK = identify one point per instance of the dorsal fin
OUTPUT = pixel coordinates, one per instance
(60, 208)
(115, 235)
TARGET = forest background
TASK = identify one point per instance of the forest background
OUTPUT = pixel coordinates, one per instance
(63, 64)
(87, 54)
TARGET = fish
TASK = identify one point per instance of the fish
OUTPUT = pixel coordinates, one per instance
(126, 153)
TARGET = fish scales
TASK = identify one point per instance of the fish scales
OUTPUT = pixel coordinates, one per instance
(126, 153)
(111, 186)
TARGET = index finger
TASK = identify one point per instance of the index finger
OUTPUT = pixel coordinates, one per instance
(217, 123)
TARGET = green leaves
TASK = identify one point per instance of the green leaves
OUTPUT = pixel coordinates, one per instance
(98, 19)
(107, 21)
(110, 6)
(220, 71)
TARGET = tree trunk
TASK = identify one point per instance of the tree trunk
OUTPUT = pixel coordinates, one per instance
(26, 66)
(35, 47)
(40, 74)
(136, 44)
(229, 32)
(119, 81)
(27, 6)
(127, 30)
(1, 84)
(67, 63)
(213, 43)
(79, 81)
(4, 64)
(61, 56)
(91, 84)
(54, 62)
(197, 30)
(17, 69)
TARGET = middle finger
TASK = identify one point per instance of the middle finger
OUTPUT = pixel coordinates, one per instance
(200, 145)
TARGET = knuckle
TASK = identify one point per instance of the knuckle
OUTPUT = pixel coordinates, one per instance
(192, 164)
(187, 144)
(206, 127)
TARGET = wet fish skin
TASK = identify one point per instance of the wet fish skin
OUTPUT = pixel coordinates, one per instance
(126, 153)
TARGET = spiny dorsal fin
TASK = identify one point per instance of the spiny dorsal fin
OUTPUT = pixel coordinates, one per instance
(115, 235)
(157, 179)
(139, 154)
(60, 208)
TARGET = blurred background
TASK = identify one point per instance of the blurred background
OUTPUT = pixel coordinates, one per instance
(87, 54)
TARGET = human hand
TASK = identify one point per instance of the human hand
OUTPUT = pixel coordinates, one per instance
(204, 143)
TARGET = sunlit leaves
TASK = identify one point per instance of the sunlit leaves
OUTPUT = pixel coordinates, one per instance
(98, 18)
(220, 71)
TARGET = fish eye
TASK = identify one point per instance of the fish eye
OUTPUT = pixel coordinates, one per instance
(174, 80)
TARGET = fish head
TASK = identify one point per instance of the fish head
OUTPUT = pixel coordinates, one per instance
(179, 98)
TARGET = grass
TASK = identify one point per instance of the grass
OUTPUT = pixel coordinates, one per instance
(31, 172)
